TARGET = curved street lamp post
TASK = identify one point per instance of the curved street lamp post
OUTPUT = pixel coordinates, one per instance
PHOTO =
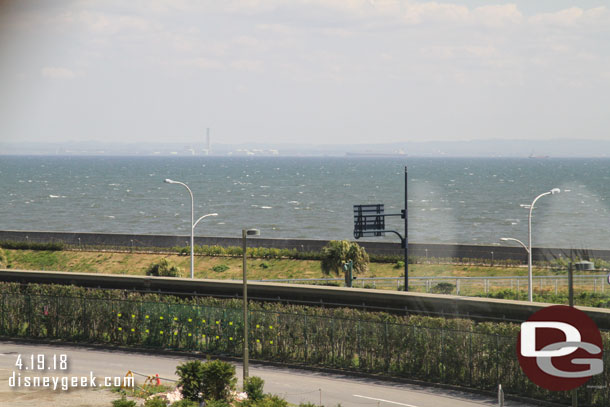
(193, 222)
(528, 248)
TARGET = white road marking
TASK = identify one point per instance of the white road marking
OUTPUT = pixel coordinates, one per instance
(385, 401)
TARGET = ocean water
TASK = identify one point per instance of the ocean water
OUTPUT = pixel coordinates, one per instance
(451, 200)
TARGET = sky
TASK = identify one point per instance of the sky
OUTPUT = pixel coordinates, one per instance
(303, 71)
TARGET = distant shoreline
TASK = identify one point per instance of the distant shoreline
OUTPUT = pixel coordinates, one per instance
(344, 155)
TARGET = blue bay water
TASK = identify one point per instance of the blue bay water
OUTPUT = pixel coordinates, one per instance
(451, 200)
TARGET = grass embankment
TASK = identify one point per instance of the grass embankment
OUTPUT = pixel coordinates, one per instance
(136, 264)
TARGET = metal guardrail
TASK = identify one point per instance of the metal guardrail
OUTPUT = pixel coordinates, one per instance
(465, 285)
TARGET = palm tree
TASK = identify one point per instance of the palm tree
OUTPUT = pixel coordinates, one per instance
(337, 252)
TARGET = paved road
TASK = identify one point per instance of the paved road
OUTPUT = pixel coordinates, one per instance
(293, 384)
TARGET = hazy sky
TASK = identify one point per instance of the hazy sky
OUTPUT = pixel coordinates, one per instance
(316, 71)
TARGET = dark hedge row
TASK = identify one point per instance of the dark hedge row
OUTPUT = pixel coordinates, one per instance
(31, 246)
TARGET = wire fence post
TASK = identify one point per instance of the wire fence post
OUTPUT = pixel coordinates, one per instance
(497, 359)
(556, 286)
(85, 319)
(358, 343)
(386, 345)
(306, 338)
(332, 341)
(470, 365)
(500, 396)
(29, 311)
(442, 355)
(575, 397)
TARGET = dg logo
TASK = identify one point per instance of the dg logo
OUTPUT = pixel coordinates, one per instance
(560, 348)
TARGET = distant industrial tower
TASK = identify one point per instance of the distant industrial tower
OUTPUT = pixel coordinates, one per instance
(208, 149)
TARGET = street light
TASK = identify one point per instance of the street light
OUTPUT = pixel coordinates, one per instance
(528, 248)
(193, 223)
(244, 234)
(510, 239)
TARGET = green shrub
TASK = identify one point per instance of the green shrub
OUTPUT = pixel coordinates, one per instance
(271, 400)
(217, 403)
(156, 402)
(265, 265)
(254, 388)
(399, 264)
(163, 268)
(268, 400)
(123, 402)
(219, 380)
(234, 251)
(219, 268)
(191, 379)
(213, 250)
(214, 380)
(185, 403)
(443, 288)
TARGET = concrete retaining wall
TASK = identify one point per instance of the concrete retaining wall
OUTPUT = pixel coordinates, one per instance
(460, 251)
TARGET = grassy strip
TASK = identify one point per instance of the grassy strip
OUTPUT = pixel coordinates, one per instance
(274, 253)
(227, 267)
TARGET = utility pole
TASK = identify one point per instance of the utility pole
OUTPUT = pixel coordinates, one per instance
(406, 239)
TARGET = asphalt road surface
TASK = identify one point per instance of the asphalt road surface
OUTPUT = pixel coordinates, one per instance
(293, 384)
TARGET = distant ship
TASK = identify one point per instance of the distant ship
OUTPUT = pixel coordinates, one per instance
(538, 157)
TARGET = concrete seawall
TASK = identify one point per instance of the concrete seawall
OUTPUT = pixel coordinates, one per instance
(460, 251)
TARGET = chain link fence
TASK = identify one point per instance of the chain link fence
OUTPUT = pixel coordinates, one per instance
(468, 285)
